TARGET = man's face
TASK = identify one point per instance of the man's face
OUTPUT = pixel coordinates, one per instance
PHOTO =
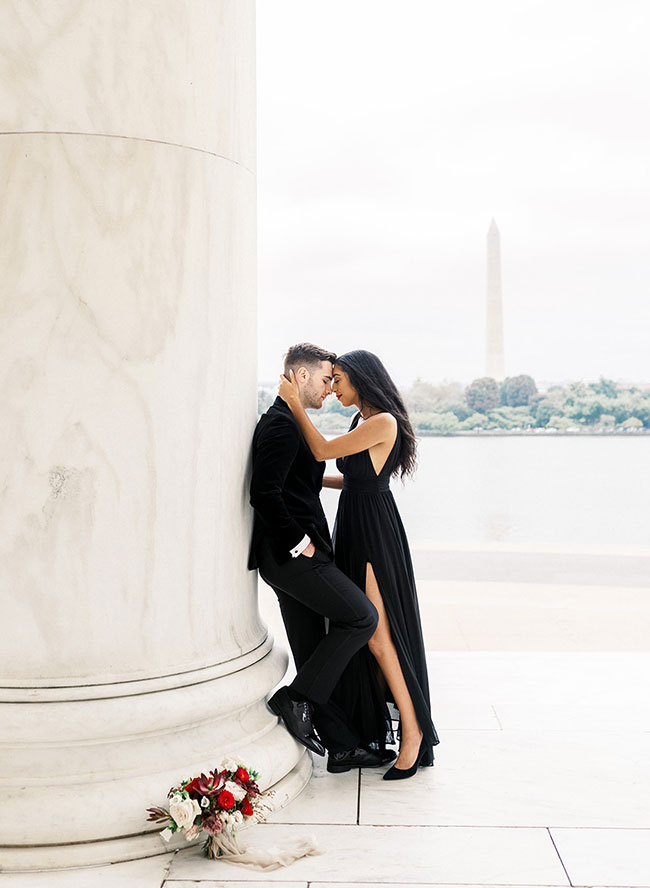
(318, 386)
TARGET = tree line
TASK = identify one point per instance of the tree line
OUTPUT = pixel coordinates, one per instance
(514, 405)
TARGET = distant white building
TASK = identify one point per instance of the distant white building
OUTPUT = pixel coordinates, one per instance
(494, 353)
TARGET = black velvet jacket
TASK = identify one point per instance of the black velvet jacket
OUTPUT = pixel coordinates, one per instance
(285, 487)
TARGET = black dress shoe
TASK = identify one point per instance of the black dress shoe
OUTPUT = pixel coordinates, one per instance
(359, 757)
(387, 755)
(297, 718)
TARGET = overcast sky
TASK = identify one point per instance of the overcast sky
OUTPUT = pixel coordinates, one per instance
(389, 135)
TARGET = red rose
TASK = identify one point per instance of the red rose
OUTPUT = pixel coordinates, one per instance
(193, 787)
(226, 800)
(242, 774)
(246, 808)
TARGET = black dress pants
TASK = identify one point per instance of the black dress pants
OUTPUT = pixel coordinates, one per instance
(308, 590)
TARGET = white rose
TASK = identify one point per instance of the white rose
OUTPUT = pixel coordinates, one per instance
(228, 764)
(238, 792)
(184, 811)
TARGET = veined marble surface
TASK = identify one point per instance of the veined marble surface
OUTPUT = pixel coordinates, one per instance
(127, 374)
(136, 656)
(181, 72)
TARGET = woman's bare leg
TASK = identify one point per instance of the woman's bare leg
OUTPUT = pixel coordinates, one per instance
(382, 648)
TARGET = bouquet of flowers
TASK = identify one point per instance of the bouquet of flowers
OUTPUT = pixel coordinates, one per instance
(214, 804)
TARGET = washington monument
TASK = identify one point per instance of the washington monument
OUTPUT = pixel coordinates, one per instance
(494, 360)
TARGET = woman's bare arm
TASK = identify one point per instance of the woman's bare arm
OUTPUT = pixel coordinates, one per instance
(334, 482)
(377, 429)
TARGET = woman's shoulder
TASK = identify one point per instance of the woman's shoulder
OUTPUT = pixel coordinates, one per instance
(385, 419)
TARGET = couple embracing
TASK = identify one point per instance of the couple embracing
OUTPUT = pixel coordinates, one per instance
(372, 653)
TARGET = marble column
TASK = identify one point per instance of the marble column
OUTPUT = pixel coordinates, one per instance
(132, 654)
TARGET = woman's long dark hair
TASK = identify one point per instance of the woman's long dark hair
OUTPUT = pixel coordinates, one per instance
(377, 390)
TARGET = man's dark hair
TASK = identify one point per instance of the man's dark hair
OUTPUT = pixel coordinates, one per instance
(306, 354)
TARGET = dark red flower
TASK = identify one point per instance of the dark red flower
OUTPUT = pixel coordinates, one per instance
(193, 787)
(246, 808)
(226, 799)
(212, 824)
(208, 785)
(242, 774)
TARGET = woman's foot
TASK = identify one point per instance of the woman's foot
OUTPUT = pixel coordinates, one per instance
(409, 751)
(396, 773)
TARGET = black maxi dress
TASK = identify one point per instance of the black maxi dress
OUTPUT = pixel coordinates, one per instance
(368, 529)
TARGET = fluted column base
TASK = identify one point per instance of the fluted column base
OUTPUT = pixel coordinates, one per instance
(83, 764)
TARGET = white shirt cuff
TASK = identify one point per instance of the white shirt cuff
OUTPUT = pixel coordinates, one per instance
(300, 548)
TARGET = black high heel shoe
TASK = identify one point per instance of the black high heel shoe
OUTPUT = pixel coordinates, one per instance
(402, 773)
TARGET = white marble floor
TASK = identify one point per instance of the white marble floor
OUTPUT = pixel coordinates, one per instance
(542, 778)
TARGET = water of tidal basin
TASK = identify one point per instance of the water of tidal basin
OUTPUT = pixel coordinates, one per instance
(550, 491)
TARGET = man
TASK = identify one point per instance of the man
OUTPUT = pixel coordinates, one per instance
(292, 548)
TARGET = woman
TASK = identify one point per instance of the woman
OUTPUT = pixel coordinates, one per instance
(371, 548)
